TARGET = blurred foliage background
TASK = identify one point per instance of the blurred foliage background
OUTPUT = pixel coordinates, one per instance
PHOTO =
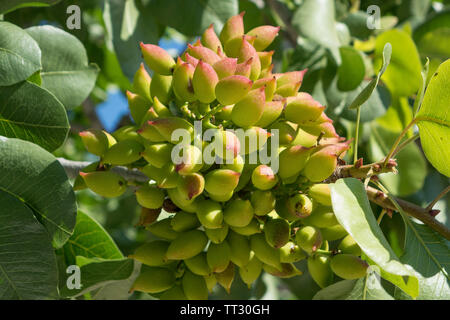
(329, 38)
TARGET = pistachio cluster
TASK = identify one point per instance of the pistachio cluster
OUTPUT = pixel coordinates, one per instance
(233, 216)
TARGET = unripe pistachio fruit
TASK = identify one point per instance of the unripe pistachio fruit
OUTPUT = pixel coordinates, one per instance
(251, 271)
(183, 221)
(105, 183)
(194, 286)
(263, 202)
(263, 177)
(299, 205)
(210, 214)
(218, 256)
(152, 253)
(321, 193)
(217, 235)
(150, 197)
(198, 264)
(226, 277)
(97, 141)
(141, 83)
(320, 270)
(239, 248)
(348, 245)
(309, 239)
(291, 252)
(232, 89)
(187, 245)
(264, 251)
(163, 229)
(277, 232)
(161, 88)
(238, 213)
(157, 59)
(154, 280)
(288, 270)
(348, 266)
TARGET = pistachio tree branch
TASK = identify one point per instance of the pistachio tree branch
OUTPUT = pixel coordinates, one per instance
(73, 168)
(413, 210)
(360, 171)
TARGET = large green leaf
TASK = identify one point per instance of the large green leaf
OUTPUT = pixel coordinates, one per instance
(29, 112)
(429, 255)
(366, 288)
(127, 25)
(352, 70)
(365, 93)
(412, 167)
(66, 71)
(352, 210)
(10, 5)
(433, 120)
(20, 55)
(34, 176)
(97, 273)
(433, 36)
(403, 75)
(193, 17)
(91, 240)
(27, 260)
(314, 19)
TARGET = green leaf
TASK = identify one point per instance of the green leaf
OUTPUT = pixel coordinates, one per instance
(34, 176)
(411, 163)
(20, 55)
(352, 210)
(28, 268)
(433, 120)
(357, 24)
(127, 25)
(365, 94)
(352, 70)
(91, 240)
(403, 76)
(193, 17)
(374, 107)
(366, 288)
(11, 5)
(29, 112)
(398, 115)
(420, 94)
(117, 290)
(66, 71)
(315, 20)
(429, 255)
(96, 273)
(433, 36)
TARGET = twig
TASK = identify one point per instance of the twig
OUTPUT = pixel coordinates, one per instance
(358, 119)
(405, 143)
(73, 168)
(398, 140)
(440, 195)
(413, 210)
(363, 171)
